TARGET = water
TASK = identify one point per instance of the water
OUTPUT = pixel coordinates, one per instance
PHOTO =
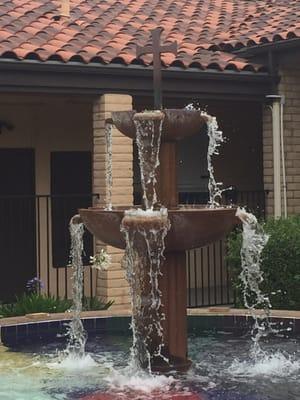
(75, 331)
(145, 233)
(108, 175)
(216, 138)
(254, 241)
(148, 138)
(221, 370)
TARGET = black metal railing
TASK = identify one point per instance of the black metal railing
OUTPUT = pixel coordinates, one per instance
(253, 200)
(208, 279)
(208, 275)
(35, 241)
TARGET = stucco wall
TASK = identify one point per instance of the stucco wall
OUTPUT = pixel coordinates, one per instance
(46, 124)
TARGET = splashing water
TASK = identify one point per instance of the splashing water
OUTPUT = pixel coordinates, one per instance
(144, 233)
(108, 176)
(142, 383)
(216, 138)
(76, 333)
(272, 365)
(148, 138)
(254, 241)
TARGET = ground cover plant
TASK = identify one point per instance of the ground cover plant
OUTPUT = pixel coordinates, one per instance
(33, 301)
(280, 263)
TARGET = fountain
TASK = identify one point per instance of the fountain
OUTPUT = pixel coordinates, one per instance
(155, 237)
(157, 234)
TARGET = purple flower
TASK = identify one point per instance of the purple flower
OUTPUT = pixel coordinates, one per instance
(34, 285)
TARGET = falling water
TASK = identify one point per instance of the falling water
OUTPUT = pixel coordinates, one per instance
(216, 138)
(144, 233)
(254, 241)
(148, 138)
(108, 177)
(76, 333)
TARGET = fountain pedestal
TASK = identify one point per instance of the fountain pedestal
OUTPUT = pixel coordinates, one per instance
(173, 286)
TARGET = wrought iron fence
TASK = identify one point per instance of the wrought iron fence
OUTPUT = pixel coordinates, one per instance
(208, 274)
(35, 241)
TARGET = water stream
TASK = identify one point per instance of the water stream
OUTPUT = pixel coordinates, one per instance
(251, 276)
(76, 333)
(108, 175)
(216, 138)
(145, 232)
(148, 138)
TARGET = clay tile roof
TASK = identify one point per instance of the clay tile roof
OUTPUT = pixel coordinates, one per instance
(106, 31)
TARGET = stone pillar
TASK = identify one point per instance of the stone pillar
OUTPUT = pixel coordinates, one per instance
(111, 284)
(289, 87)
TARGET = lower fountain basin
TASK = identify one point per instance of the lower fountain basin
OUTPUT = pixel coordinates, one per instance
(190, 227)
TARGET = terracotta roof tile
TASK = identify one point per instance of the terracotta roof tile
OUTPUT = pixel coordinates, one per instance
(108, 30)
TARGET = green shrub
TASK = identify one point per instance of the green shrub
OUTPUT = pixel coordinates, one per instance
(34, 303)
(280, 263)
(30, 303)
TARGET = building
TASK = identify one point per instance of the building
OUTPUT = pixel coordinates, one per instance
(66, 64)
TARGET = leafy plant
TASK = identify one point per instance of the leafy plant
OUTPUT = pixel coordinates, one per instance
(34, 303)
(30, 303)
(280, 262)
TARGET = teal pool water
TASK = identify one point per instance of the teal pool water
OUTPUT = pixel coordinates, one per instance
(221, 370)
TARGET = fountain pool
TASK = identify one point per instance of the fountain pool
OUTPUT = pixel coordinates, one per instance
(221, 371)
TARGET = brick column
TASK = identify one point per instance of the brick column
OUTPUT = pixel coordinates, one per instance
(289, 87)
(111, 284)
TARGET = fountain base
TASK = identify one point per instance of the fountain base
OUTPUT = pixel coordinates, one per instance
(175, 364)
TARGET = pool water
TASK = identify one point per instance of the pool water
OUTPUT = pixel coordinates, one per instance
(221, 370)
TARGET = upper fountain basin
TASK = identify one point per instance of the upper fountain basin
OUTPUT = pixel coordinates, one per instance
(190, 227)
(177, 124)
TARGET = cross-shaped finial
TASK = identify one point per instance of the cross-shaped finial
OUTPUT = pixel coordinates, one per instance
(156, 49)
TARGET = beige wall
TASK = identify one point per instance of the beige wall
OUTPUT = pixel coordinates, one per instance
(46, 124)
(289, 87)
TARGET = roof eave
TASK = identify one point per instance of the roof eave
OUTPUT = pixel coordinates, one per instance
(53, 76)
(278, 46)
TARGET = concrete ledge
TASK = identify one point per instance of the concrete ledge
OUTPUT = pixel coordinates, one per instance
(126, 312)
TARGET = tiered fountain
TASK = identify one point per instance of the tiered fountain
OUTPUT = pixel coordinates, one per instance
(157, 235)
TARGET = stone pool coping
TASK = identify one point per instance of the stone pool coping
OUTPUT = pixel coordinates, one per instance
(126, 312)
(16, 331)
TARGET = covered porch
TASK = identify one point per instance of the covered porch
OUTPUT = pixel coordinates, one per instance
(53, 161)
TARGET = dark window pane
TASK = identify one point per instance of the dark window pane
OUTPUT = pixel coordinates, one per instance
(71, 186)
